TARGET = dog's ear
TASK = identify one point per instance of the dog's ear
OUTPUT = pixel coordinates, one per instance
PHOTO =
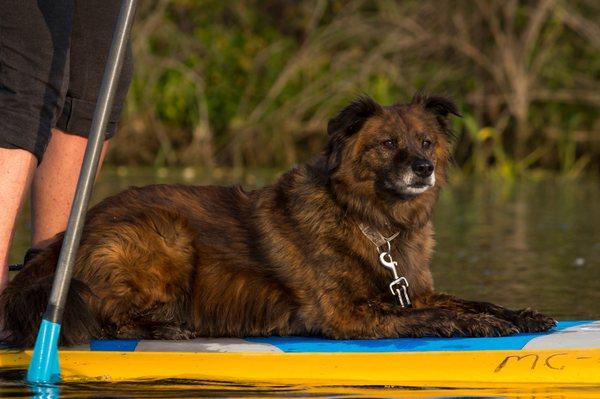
(441, 106)
(346, 123)
(349, 120)
(437, 105)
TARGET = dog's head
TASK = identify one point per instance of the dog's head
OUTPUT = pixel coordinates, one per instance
(390, 154)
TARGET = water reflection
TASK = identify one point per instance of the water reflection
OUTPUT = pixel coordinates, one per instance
(530, 243)
(44, 391)
(11, 387)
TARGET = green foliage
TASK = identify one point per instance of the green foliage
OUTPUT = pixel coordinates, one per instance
(253, 83)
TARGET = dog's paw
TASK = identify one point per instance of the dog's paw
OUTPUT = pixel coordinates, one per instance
(485, 325)
(528, 320)
(172, 333)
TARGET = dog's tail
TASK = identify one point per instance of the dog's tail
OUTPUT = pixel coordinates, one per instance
(24, 301)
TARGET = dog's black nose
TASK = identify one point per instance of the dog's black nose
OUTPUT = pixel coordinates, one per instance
(422, 167)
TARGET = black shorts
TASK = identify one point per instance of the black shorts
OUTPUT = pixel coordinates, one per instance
(52, 59)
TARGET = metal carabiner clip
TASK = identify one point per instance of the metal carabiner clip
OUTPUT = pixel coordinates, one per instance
(385, 258)
(389, 263)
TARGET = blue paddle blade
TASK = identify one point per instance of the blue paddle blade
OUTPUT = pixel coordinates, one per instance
(44, 365)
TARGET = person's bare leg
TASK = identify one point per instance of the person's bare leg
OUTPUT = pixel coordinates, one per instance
(54, 185)
(16, 171)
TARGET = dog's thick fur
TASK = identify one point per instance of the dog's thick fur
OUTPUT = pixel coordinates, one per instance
(174, 261)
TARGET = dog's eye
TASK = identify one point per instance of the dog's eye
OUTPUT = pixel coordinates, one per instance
(390, 144)
(426, 144)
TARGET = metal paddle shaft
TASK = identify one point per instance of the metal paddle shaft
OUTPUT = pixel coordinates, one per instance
(44, 365)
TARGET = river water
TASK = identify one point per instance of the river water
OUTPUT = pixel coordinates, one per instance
(527, 243)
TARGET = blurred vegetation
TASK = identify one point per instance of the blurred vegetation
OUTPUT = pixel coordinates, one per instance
(252, 83)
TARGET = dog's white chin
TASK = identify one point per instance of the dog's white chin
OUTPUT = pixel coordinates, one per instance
(416, 190)
(416, 187)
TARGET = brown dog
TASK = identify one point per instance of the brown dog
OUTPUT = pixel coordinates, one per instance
(307, 255)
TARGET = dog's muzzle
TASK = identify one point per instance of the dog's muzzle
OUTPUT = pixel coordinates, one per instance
(411, 182)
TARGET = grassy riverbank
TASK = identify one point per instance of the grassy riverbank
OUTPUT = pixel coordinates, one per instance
(253, 83)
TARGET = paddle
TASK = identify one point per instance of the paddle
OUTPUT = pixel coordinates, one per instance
(44, 365)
